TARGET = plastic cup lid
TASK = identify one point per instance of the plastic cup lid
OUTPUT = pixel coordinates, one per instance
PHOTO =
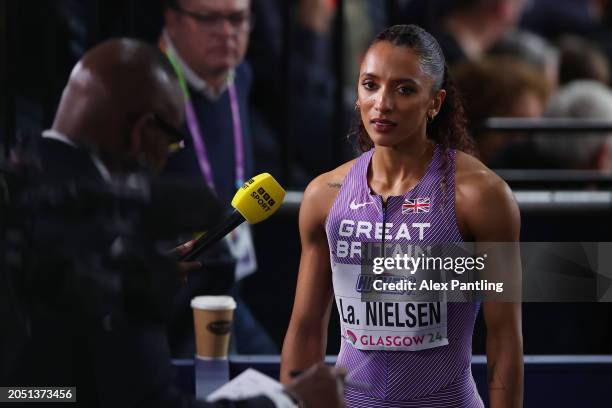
(213, 303)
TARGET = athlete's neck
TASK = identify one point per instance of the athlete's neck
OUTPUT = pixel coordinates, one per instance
(395, 170)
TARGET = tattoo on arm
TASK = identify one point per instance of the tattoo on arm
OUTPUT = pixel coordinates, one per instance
(334, 185)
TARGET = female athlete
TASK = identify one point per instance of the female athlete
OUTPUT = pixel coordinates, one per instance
(415, 182)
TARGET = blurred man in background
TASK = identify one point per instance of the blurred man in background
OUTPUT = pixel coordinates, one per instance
(534, 50)
(582, 59)
(499, 87)
(583, 99)
(206, 41)
(93, 294)
(470, 27)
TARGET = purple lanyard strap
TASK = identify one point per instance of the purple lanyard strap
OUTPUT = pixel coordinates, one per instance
(196, 134)
(200, 146)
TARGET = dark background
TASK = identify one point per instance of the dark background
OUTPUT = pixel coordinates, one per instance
(40, 42)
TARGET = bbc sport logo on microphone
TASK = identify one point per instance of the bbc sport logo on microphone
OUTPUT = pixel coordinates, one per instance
(263, 198)
(258, 198)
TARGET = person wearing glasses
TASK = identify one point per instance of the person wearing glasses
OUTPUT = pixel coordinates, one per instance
(125, 125)
(206, 40)
(119, 112)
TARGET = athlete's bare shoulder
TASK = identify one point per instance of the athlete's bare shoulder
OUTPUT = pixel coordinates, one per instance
(321, 193)
(483, 201)
(472, 173)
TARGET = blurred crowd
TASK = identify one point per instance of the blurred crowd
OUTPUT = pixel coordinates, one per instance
(528, 59)
(271, 87)
(511, 58)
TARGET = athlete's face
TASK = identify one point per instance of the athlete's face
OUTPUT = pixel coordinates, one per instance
(395, 96)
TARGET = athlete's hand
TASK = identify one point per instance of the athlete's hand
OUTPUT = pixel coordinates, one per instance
(320, 386)
(185, 267)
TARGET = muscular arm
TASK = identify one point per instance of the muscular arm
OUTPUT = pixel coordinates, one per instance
(306, 337)
(490, 214)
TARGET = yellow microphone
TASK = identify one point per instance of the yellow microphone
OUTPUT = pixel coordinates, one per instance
(254, 202)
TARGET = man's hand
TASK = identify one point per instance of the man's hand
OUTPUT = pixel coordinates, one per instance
(320, 386)
(185, 267)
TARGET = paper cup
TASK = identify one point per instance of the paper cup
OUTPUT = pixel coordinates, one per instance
(212, 319)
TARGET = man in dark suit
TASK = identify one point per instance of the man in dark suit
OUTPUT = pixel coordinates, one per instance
(89, 325)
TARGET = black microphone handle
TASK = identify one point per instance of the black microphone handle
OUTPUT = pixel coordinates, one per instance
(214, 235)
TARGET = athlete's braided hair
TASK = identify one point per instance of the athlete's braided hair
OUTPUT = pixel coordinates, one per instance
(449, 127)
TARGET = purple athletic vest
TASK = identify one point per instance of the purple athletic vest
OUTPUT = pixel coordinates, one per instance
(419, 354)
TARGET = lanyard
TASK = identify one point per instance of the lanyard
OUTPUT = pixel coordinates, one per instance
(196, 134)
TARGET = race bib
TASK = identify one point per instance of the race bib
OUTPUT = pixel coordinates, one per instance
(386, 325)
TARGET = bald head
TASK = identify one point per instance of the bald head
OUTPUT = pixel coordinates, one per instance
(113, 96)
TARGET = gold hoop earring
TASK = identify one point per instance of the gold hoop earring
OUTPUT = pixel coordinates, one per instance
(357, 106)
(430, 117)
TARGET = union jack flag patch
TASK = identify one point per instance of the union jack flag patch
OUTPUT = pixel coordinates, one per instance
(419, 205)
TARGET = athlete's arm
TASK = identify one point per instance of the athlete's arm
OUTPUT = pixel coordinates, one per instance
(306, 338)
(488, 212)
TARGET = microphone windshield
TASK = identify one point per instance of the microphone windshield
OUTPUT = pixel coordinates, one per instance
(258, 198)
